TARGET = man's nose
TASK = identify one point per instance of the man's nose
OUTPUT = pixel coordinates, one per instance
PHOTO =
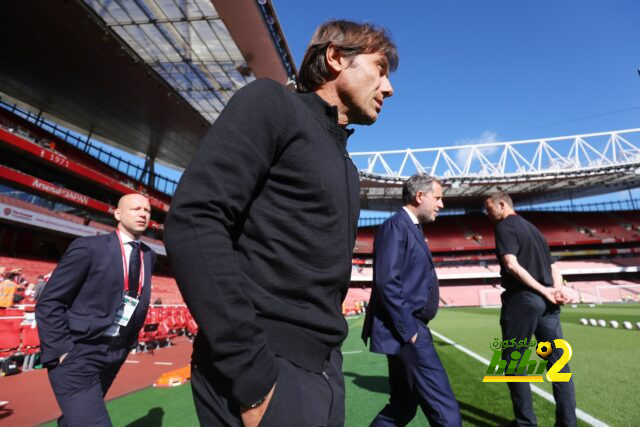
(387, 89)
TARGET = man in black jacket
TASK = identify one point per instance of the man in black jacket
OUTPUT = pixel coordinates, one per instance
(531, 303)
(261, 231)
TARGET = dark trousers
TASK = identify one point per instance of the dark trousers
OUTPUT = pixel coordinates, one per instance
(417, 378)
(525, 314)
(81, 381)
(301, 397)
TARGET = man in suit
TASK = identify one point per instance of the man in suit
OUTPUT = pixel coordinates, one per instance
(404, 299)
(91, 311)
(261, 233)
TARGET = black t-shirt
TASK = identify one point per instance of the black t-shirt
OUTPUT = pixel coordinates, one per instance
(517, 236)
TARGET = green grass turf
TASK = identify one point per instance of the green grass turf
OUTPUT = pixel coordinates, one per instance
(481, 404)
(605, 374)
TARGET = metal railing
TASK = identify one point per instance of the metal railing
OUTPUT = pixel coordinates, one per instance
(613, 205)
(160, 183)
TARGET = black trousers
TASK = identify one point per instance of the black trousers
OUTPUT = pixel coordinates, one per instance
(81, 381)
(417, 378)
(301, 397)
(525, 314)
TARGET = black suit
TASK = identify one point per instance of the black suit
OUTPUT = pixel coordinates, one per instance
(76, 307)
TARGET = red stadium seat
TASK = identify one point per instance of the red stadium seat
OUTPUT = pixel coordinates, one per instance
(9, 335)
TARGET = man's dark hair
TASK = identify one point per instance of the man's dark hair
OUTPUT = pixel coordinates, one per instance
(500, 196)
(350, 39)
(418, 182)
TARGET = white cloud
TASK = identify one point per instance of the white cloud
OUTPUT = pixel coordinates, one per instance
(487, 137)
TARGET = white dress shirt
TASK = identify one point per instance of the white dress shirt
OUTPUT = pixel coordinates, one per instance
(114, 330)
(411, 215)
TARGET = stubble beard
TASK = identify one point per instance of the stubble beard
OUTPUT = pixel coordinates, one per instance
(424, 219)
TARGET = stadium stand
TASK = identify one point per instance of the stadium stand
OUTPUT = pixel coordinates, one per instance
(19, 341)
(356, 301)
(62, 181)
(52, 192)
(453, 233)
(24, 135)
(88, 226)
(596, 252)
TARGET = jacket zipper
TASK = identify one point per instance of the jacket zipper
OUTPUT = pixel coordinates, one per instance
(346, 176)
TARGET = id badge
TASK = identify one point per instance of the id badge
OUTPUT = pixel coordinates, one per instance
(126, 310)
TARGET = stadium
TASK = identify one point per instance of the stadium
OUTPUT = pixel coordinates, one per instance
(101, 99)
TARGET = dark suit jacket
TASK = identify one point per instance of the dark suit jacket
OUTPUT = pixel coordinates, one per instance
(84, 293)
(405, 282)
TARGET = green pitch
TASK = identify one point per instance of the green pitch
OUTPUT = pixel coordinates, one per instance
(604, 366)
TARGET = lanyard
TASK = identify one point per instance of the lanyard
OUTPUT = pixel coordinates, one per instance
(126, 266)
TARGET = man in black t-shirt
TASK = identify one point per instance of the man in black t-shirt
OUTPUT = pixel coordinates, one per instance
(531, 302)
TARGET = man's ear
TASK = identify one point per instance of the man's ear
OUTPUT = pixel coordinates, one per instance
(116, 214)
(335, 60)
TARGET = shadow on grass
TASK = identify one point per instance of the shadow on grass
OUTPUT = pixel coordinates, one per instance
(439, 343)
(475, 416)
(471, 415)
(374, 383)
(152, 419)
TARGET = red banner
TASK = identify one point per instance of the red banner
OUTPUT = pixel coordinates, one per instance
(65, 194)
(62, 162)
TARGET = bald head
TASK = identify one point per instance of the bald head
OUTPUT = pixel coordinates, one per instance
(133, 214)
(131, 198)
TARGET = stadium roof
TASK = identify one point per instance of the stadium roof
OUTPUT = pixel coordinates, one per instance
(532, 171)
(149, 76)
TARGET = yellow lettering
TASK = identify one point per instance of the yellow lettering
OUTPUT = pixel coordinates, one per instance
(554, 374)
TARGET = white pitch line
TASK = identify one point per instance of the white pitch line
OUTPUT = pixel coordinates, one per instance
(352, 352)
(545, 395)
(131, 361)
(163, 363)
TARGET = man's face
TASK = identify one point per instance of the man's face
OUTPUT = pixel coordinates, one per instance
(429, 203)
(494, 210)
(133, 214)
(363, 85)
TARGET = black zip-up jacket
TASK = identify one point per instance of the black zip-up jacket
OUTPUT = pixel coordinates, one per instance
(260, 235)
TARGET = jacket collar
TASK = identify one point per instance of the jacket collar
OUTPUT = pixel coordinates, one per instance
(327, 113)
(417, 233)
(116, 259)
(412, 217)
(116, 256)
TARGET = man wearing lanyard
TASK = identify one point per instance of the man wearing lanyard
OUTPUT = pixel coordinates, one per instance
(91, 311)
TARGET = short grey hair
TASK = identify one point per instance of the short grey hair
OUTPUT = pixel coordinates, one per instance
(418, 182)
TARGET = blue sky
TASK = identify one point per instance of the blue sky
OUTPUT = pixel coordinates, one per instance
(473, 71)
(492, 70)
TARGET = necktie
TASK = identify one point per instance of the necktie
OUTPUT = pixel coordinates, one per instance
(134, 269)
